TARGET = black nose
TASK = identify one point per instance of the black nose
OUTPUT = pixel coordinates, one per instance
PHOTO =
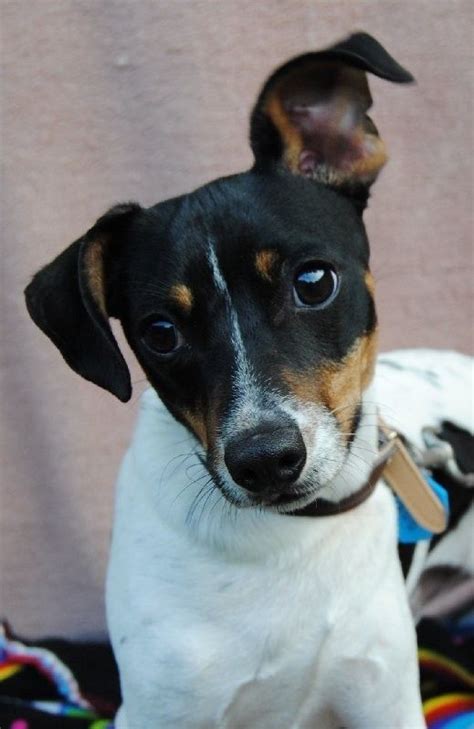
(266, 459)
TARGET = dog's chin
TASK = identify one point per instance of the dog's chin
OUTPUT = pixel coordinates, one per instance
(314, 479)
(279, 502)
(282, 502)
(288, 502)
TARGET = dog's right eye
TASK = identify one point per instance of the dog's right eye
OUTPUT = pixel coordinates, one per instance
(161, 336)
(315, 285)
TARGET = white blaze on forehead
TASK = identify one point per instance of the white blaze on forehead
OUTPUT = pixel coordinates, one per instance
(244, 380)
(219, 279)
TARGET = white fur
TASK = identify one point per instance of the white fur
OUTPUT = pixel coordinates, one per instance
(244, 619)
(244, 379)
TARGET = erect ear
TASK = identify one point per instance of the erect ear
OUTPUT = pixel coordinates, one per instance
(311, 119)
(68, 300)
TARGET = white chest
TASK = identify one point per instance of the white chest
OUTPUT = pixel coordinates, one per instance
(239, 633)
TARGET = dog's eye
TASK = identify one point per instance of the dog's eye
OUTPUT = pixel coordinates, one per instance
(315, 285)
(162, 336)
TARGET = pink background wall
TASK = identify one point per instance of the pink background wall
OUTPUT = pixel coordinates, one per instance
(109, 101)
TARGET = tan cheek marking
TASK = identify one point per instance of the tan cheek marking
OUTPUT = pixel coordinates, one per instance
(204, 425)
(264, 262)
(94, 269)
(369, 358)
(197, 425)
(182, 296)
(338, 385)
(342, 385)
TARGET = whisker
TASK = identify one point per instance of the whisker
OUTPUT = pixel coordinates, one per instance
(191, 483)
(202, 493)
(183, 457)
(205, 501)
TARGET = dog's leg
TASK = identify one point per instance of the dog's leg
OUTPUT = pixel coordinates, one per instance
(396, 707)
(374, 681)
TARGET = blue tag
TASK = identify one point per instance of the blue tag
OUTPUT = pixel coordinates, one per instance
(409, 531)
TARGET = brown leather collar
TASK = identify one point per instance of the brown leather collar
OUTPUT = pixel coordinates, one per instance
(403, 476)
(322, 507)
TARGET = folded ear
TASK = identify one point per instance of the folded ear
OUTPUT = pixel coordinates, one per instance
(311, 119)
(68, 301)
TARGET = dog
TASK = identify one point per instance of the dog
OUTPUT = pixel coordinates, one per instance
(249, 304)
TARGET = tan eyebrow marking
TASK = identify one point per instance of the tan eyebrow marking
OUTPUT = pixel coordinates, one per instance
(196, 422)
(264, 263)
(182, 296)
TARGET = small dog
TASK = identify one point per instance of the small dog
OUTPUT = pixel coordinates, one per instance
(249, 303)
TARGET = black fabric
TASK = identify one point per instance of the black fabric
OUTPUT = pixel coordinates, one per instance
(446, 640)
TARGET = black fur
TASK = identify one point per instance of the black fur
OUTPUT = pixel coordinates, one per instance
(146, 251)
(59, 301)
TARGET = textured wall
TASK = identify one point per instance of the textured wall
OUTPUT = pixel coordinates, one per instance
(142, 99)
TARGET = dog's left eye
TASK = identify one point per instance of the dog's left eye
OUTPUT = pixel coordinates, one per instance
(316, 284)
(162, 337)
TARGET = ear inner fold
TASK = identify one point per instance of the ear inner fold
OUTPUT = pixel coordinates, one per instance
(320, 114)
(93, 268)
(311, 116)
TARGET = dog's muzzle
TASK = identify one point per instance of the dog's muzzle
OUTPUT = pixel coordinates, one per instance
(266, 460)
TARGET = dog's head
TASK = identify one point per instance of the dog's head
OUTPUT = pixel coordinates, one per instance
(249, 302)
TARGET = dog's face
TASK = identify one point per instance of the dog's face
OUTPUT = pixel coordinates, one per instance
(248, 303)
(250, 309)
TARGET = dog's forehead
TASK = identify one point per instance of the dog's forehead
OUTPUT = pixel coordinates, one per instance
(273, 206)
(245, 220)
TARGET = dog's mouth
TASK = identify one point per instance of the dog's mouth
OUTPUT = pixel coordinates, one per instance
(286, 498)
(276, 501)
(276, 495)
(295, 497)
(288, 501)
